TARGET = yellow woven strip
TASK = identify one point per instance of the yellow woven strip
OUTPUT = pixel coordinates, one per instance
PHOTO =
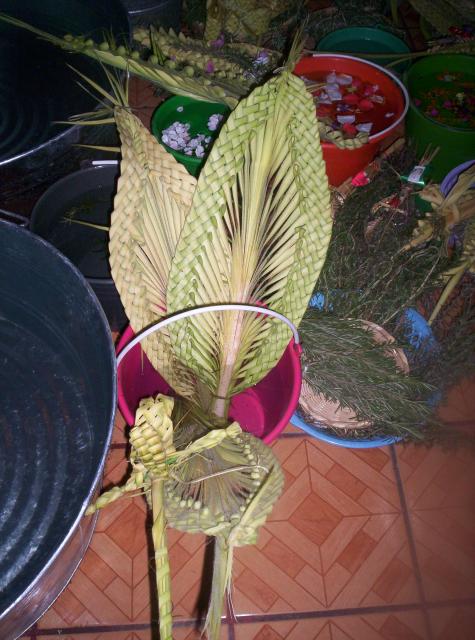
(162, 565)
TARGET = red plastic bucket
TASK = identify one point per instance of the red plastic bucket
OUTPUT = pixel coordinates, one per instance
(345, 163)
(263, 410)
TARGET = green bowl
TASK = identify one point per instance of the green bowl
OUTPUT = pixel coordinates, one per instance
(456, 145)
(193, 112)
(363, 41)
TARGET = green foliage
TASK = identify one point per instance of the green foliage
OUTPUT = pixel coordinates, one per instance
(343, 362)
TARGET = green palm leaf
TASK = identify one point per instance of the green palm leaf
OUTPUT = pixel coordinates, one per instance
(257, 231)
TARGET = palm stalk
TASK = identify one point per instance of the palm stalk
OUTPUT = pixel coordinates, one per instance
(152, 449)
(222, 573)
(226, 492)
(173, 80)
(162, 566)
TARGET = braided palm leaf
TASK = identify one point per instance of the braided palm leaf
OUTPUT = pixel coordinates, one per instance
(181, 82)
(153, 456)
(441, 14)
(257, 231)
(152, 446)
(458, 206)
(243, 19)
(227, 492)
(453, 277)
(337, 138)
(233, 61)
(153, 197)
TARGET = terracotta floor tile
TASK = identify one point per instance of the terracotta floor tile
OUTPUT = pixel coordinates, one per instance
(375, 484)
(460, 402)
(143, 100)
(453, 623)
(190, 633)
(383, 626)
(393, 626)
(445, 545)
(112, 635)
(436, 478)
(288, 630)
(120, 432)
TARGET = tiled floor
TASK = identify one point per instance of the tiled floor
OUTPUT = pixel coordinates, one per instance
(363, 545)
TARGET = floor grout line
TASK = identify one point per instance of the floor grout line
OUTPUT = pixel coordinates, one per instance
(246, 618)
(411, 541)
(292, 434)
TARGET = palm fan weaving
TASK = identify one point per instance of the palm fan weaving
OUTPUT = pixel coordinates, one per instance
(257, 232)
(254, 229)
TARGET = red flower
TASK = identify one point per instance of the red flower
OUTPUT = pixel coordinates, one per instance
(349, 129)
(324, 110)
(350, 98)
(365, 105)
(368, 90)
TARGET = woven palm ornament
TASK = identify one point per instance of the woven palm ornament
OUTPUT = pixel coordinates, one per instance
(257, 232)
(254, 229)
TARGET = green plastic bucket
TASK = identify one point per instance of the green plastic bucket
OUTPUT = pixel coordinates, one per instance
(456, 145)
(196, 113)
(361, 41)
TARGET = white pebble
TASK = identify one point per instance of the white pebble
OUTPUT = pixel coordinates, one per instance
(345, 119)
(365, 127)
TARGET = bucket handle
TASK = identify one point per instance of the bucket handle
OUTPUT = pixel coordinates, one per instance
(188, 313)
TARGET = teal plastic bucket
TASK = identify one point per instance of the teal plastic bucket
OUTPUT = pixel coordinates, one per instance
(362, 41)
(456, 145)
(196, 113)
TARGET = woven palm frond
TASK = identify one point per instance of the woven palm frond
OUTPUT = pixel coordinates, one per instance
(151, 450)
(242, 19)
(440, 14)
(153, 197)
(447, 210)
(227, 492)
(257, 232)
(179, 81)
(454, 275)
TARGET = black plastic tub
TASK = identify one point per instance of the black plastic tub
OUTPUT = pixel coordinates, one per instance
(38, 89)
(58, 399)
(166, 13)
(83, 196)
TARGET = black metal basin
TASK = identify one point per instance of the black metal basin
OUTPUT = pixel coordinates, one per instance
(38, 90)
(58, 398)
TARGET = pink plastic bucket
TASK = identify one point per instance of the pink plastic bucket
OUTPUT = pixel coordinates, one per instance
(263, 410)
